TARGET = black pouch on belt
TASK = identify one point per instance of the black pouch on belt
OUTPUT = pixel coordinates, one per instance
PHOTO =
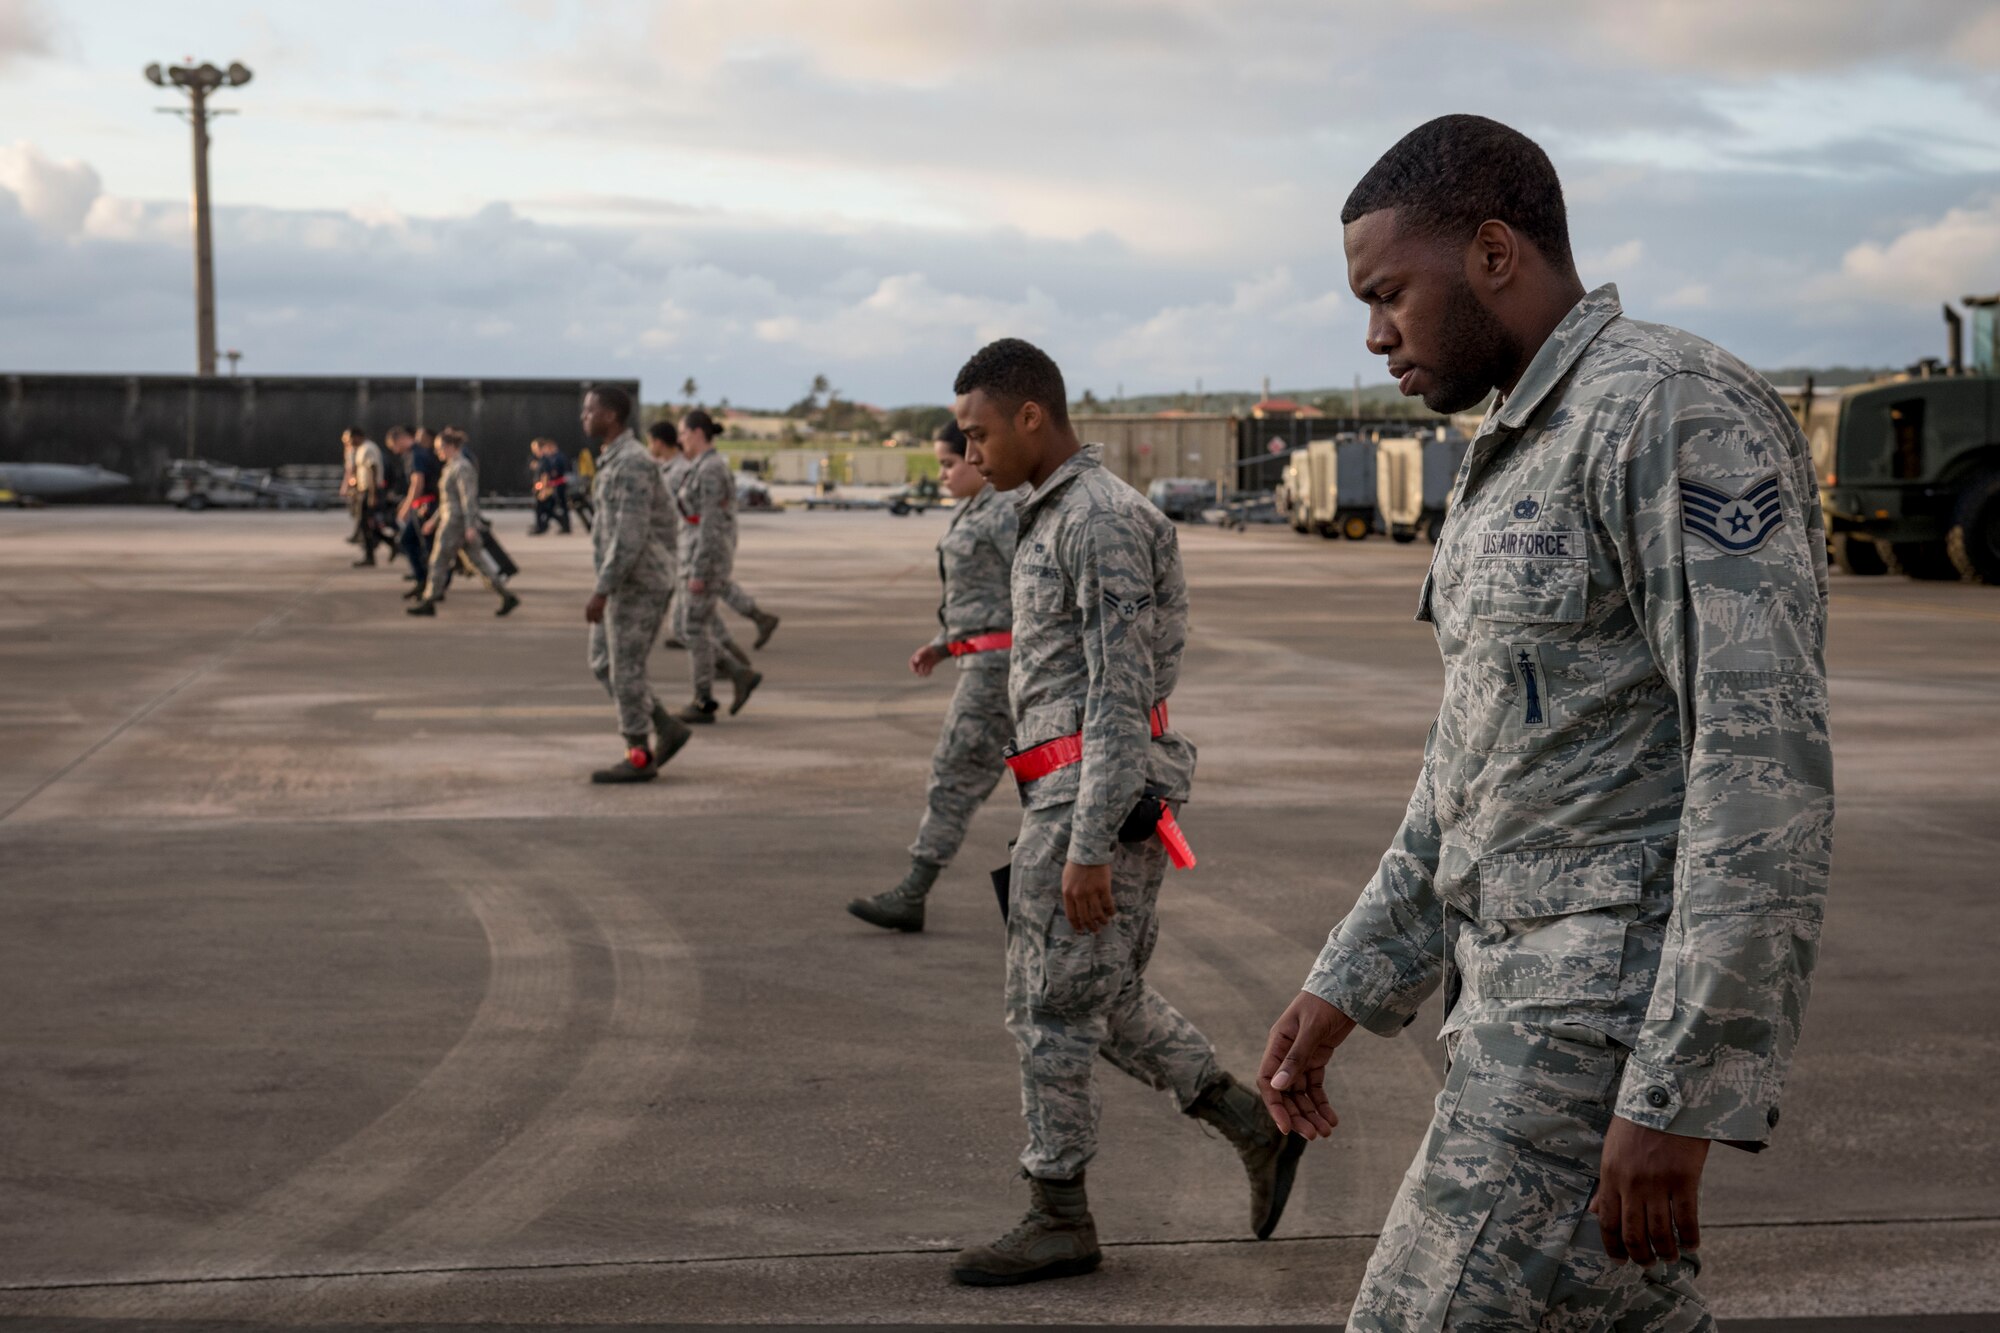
(1144, 820)
(1003, 882)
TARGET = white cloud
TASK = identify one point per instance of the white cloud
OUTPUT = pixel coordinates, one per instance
(1945, 259)
(55, 195)
(1619, 260)
(1752, 39)
(25, 30)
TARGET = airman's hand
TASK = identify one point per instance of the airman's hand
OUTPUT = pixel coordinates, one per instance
(1292, 1077)
(697, 586)
(593, 610)
(1087, 900)
(925, 658)
(1648, 1192)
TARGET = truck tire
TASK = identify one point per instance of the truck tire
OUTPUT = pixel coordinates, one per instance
(1401, 534)
(1430, 525)
(1328, 531)
(1922, 560)
(1354, 527)
(195, 503)
(1973, 539)
(1857, 555)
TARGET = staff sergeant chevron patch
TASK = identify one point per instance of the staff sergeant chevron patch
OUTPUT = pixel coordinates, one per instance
(1736, 524)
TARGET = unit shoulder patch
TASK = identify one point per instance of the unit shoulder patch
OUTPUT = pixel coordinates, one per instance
(1733, 524)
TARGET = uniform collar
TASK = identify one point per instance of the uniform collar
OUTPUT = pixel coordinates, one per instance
(1558, 355)
(619, 444)
(1083, 460)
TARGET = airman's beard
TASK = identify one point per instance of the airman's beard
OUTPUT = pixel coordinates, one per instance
(1476, 354)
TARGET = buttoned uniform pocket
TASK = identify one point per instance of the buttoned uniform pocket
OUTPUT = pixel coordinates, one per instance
(1552, 924)
(1039, 590)
(1520, 681)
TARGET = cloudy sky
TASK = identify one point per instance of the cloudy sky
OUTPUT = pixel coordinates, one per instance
(753, 192)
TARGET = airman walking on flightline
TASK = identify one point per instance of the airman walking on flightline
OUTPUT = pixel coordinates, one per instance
(707, 499)
(1616, 857)
(664, 441)
(457, 527)
(1099, 624)
(731, 593)
(975, 624)
(635, 576)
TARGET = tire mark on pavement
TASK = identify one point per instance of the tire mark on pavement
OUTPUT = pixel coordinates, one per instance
(510, 1037)
(655, 997)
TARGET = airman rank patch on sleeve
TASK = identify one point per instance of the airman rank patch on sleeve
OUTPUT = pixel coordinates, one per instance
(1734, 524)
(1128, 608)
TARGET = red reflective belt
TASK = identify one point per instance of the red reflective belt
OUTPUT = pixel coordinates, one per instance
(1058, 754)
(982, 643)
(693, 520)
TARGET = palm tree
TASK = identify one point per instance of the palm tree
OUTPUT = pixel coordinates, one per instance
(821, 385)
(688, 390)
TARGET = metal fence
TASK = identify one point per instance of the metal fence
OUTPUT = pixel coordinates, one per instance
(137, 424)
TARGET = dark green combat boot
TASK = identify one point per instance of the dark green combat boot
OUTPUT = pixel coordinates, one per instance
(1056, 1239)
(670, 734)
(638, 765)
(901, 908)
(700, 712)
(1270, 1156)
(767, 625)
(742, 681)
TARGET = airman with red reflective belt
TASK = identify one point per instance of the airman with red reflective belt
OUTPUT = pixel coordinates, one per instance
(975, 629)
(1099, 622)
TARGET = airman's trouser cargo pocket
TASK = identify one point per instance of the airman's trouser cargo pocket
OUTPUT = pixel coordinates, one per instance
(1490, 1230)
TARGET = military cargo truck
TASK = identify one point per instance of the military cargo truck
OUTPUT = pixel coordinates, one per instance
(1399, 487)
(1909, 468)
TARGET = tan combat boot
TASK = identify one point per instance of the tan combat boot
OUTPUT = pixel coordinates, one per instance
(1270, 1156)
(1056, 1239)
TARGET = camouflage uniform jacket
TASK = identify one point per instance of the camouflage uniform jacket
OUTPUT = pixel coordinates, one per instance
(632, 507)
(1100, 621)
(975, 558)
(1624, 816)
(458, 493)
(707, 499)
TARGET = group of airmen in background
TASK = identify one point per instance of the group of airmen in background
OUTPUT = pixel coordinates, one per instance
(418, 494)
(1615, 861)
(662, 522)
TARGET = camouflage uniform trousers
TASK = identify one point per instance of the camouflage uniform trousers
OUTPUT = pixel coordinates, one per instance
(1073, 997)
(698, 624)
(677, 627)
(967, 763)
(1488, 1231)
(619, 647)
(444, 556)
(737, 600)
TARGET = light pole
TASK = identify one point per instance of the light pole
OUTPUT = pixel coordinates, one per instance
(198, 81)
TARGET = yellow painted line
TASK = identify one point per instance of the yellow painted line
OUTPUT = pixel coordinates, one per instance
(1935, 608)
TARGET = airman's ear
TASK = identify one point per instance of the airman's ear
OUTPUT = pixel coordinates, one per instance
(1030, 417)
(1494, 258)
